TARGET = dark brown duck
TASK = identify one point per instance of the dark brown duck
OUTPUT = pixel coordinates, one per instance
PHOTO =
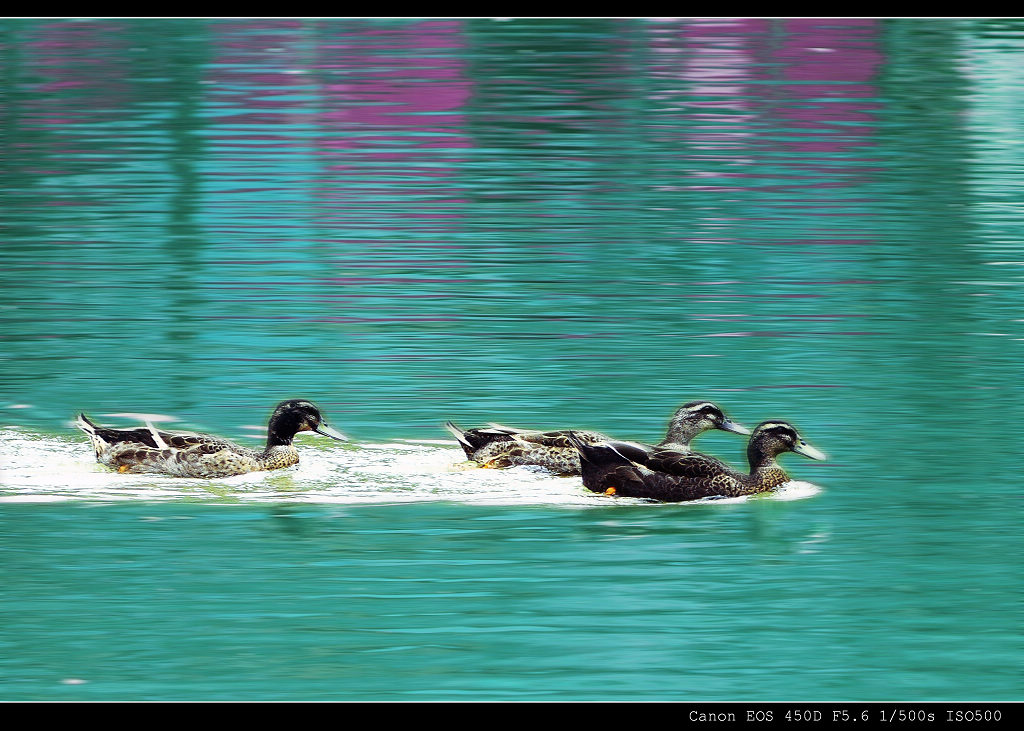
(672, 476)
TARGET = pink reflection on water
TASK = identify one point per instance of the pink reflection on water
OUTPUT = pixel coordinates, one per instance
(75, 83)
(390, 141)
(783, 109)
(843, 56)
(379, 106)
(388, 88)
(733, 78)
(381, 87)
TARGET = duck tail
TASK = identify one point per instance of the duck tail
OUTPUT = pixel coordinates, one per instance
(630, 451)
(99, 444)
(586, 450)
(83, 423)
(460, 435)
(604, 453)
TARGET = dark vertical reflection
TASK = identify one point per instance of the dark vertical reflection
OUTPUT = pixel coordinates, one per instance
(388, 204)
(181, 54)
(60, 88)
(104, 188)
(992, 57)
(555, 122)
(929, 246)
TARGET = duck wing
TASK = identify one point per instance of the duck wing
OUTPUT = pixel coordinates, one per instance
(633, 451)
(689, 465)
(148, 436)
(559, 439)
(193, 456)
(202, 443)
(142, 436)
(648, 484)
(473, 440)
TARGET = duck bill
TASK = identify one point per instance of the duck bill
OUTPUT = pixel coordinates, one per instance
(329, 431)
(808, 451)
(730, 425)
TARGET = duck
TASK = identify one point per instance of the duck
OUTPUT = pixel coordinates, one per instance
(497, 446)
(187, 454)
(668, 476)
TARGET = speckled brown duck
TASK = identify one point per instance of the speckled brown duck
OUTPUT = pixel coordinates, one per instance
(677, 477)
(186, 454)
(501, 446)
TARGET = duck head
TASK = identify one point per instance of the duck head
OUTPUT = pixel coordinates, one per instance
(295, 415)
(771, 438)
(699, 416)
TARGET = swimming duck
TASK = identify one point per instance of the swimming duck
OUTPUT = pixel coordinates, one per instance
(671, 476)
(502, 446)
(186, 454)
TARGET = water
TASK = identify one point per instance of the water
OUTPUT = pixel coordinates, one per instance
(546, 223)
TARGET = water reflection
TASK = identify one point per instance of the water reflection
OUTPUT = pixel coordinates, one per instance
(416, 220)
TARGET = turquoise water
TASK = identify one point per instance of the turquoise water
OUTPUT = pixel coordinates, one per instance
(547, 223)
